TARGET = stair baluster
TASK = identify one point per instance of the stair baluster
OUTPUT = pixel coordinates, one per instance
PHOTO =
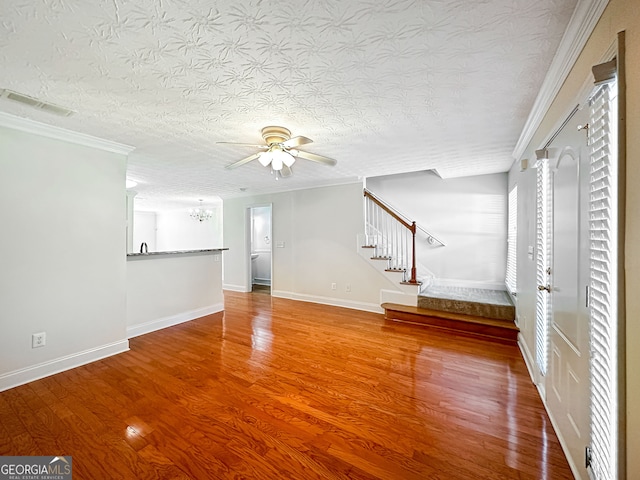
(393, 236)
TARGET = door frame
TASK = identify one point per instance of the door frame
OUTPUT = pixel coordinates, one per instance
(247, 243)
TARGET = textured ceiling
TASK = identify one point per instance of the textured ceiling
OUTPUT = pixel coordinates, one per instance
(382, 86)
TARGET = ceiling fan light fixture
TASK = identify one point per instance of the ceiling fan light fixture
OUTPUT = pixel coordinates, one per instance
(265, 158)
(279, 158)
(288, 159)
(281, 152)
(276, 162)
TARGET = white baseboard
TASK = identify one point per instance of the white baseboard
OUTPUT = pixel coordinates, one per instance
(335, 302)
(530, 363)
(528, 358)
(57, 365)
(172, 320)
(235, 288)
(561, 440)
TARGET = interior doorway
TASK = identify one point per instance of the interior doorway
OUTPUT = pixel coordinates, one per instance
(260, 237)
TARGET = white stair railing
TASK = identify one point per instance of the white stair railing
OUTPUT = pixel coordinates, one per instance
(393, 237)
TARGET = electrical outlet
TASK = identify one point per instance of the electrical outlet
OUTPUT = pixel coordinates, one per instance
(38, 340)
(348, 287)
(333, 286)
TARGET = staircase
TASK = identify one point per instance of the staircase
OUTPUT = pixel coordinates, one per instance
(390, 242)
(391, 236)
(488, 314)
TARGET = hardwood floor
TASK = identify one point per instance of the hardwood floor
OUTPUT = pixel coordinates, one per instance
(275, 388)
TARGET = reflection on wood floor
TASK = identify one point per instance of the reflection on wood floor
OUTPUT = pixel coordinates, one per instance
(257, 288)
(275, 388)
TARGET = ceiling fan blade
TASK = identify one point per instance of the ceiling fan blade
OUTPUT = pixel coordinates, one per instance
(315, 158)
(246, 145)
(243, 161)
(286, 171)
(296, 141)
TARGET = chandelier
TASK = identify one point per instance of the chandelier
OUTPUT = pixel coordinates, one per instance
(200, 213)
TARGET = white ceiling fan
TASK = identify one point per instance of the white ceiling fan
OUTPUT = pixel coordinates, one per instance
(280, 151)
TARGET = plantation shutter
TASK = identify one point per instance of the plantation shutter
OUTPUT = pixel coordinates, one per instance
(512, 235)
(602, 288)
(542, 261)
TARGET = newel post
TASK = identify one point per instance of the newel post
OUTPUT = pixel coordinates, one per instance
(413, 255)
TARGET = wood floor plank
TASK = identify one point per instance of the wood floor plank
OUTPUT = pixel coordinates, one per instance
(5, 439)
(273, 388)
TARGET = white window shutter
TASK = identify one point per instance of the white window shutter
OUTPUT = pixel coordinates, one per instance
(512, 237)
(602, 287)
(543, 232)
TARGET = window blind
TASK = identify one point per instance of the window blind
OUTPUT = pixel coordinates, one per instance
(512, 236)
(602, 288)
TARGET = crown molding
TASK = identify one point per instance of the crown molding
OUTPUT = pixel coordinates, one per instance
(329, 183)
(31, 126)
(583, 21)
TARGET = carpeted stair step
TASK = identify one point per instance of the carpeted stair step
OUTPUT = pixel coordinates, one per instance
(477, 302)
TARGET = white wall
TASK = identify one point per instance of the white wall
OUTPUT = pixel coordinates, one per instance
(176, 230)
(261, 269)
(526, 263)
(163, 290)
(468, 214)
(318, 230)
(144, 230)
(62, 254)
(261, 218)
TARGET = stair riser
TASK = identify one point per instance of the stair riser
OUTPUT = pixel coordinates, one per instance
(508, 335)
(396, 277)
(497, 312)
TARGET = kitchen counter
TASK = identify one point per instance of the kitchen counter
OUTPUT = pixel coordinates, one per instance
(132, 256)
(167, 288)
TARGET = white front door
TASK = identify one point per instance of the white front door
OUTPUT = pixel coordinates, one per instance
(567, 380)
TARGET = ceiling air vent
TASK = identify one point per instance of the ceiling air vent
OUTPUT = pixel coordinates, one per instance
(34, 102)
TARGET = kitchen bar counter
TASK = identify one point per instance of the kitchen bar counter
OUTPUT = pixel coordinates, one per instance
(167, 288)
(174, 252)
